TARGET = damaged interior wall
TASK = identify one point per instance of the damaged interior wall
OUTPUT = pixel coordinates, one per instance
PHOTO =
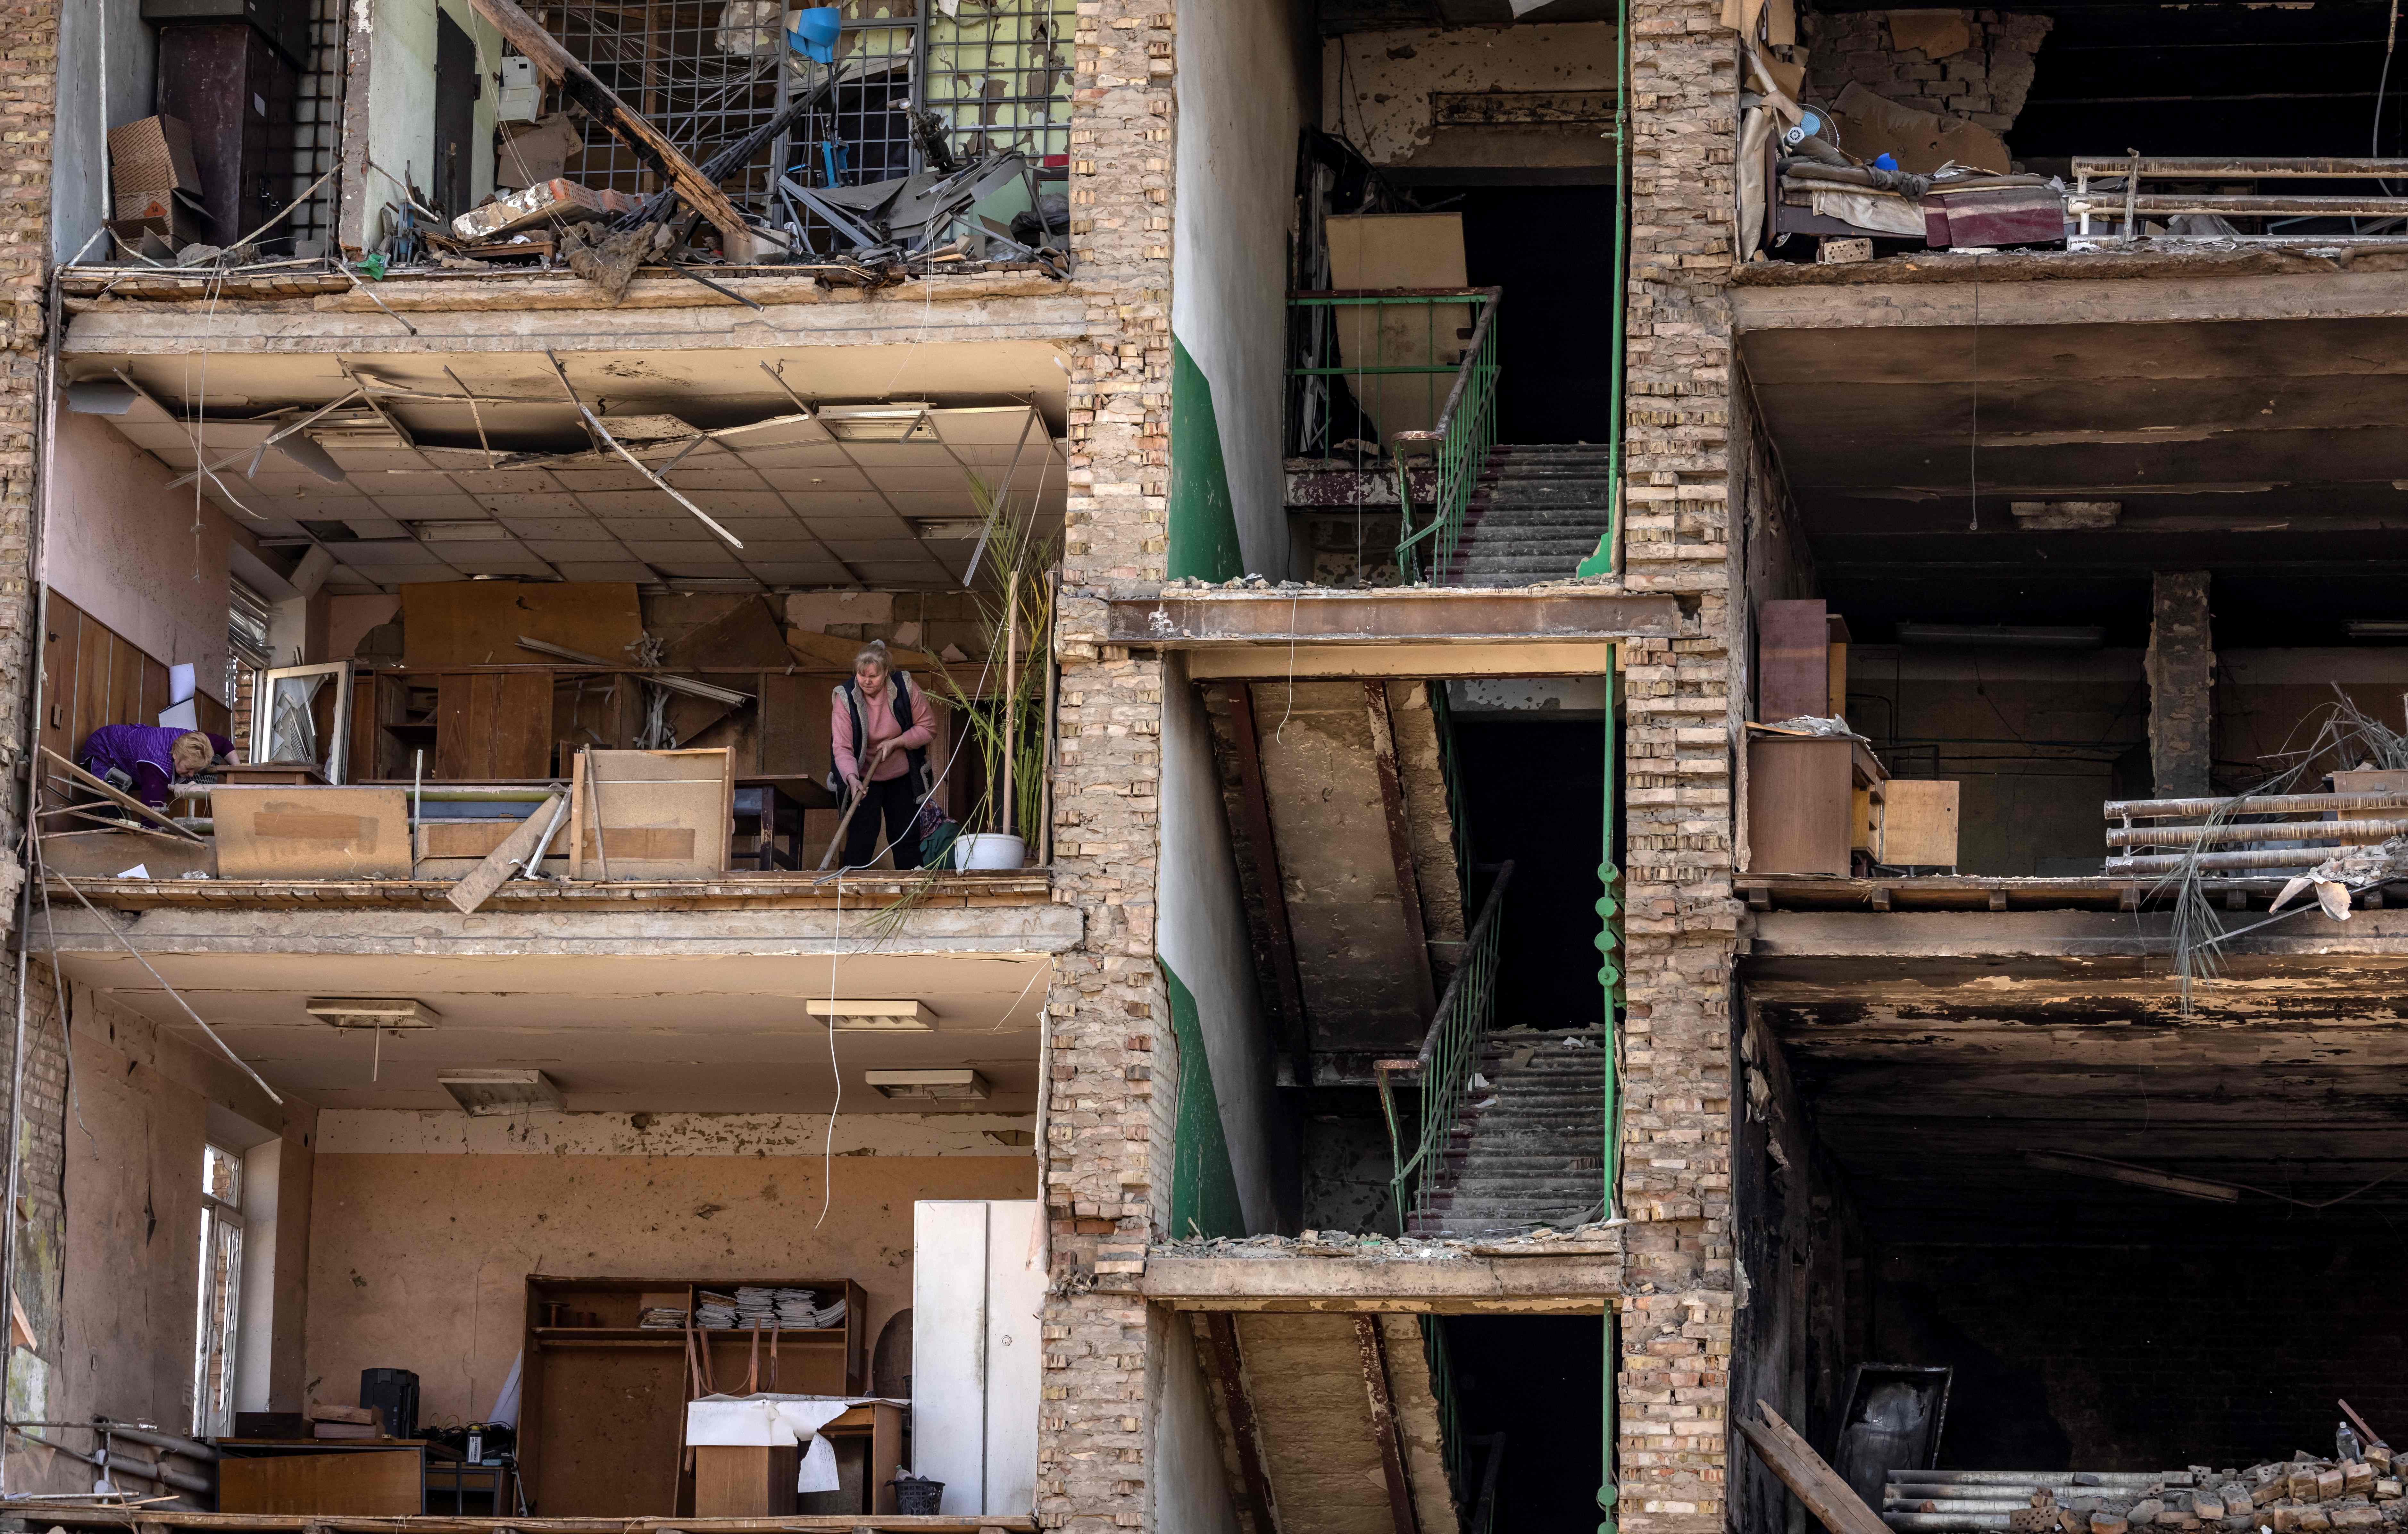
(88, 108)
(1204, 941)
(1447, 105)
(1242, 100)
(390, 109)
(1193, 1493)
(426, 1225)
(1970, 66)
(148, 560)
(110, 1252)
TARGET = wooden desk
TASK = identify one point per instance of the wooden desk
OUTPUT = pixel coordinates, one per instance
(384, 1477)
(1800, 801)
(271, 774)
(759, 1481)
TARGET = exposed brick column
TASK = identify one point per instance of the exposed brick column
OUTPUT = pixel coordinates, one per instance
(1110, 1074)
(1680, 920)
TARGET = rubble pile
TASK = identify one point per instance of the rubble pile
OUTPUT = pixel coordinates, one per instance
(2300, 1496)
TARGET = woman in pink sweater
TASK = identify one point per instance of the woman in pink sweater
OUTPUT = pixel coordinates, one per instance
(881, 725)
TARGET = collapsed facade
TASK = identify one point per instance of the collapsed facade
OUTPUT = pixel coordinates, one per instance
(1550, 869)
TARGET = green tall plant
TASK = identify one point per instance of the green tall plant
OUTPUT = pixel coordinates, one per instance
(1006, 717)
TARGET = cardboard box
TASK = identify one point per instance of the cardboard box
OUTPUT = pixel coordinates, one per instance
(153, 155)
(275, 833)
(663, 815)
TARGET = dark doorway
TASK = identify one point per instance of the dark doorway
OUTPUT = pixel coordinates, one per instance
(457, 86)
(1551, 249)
(1536, 793)
(1541, 1381)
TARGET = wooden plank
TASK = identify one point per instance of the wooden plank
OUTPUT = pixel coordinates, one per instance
(478, 623)
(1800, 805)
(1793, 674)
(456, 753)
(93, 646)
(1287, 979)
(125, 683)
(364, 1482)
(1220, 1331)
(62, 622)
(1371, 1345)
(153, 698)
(794, 727)
(477, 886)
(519, 726)
(1400, 836)
(601, 102)
(1802, 1471)
(1918, 822)
(123, 801)
(312, 833)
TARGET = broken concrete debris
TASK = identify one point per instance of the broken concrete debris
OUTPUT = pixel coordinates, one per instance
(2300, 1496)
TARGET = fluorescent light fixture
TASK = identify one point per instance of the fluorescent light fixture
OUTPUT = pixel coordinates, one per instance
(2139, 1177)
(2378, 628)
(891, 424)
(874, 1016)
(487, 1094)
(953, 530)
(372, 1012)
(461, 532)
(2005, 635)
(955, 1084)
(100, 396)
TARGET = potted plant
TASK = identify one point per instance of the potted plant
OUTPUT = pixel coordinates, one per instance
(1006, 714)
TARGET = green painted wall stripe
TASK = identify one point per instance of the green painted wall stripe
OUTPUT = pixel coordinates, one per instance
(1203, 518)
(1203, 1186)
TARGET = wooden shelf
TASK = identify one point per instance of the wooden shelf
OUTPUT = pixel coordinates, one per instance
(656, 1336)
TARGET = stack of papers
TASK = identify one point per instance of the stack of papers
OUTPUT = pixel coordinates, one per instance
(712, 1310)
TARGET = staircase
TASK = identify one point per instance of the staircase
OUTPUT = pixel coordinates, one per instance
(1527, 1148)
(1536, 513)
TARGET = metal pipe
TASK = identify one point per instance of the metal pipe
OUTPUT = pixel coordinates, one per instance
(1895, 1503)
(2270, 804)
(2355, 833)
(2300, 859)
(1607, 560)
(1948, 1523)
(2100, 1480)
(189, 1448)
(159, 1475)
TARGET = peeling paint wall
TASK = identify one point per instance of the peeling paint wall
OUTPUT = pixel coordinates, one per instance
(1472, 96)
(148, 560)
(119, 1316)
(1242, 72)
(421, 1259)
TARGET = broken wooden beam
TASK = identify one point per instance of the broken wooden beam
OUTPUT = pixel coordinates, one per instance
(1794, 1462)
(581, 85)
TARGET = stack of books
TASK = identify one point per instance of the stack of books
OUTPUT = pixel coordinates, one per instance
(662, 1312)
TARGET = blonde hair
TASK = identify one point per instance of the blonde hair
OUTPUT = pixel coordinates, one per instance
(875, 650)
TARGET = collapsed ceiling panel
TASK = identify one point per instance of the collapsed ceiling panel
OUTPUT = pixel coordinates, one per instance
(500, 472)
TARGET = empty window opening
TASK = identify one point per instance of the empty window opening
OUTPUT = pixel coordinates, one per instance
(214, 1350)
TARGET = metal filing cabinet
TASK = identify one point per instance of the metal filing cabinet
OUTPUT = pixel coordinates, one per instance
(235, 90)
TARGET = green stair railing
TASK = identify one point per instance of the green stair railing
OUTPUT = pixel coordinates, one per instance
(1463, 417)
(1450, 1054)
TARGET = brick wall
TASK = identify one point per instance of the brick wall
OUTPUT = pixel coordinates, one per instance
(1111, 1071)
(1680, 920)
(1983, 83)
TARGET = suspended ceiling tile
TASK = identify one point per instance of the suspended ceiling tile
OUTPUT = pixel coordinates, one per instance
(435, 508)
(920, 573)
(942, 478)
(884, 525)
(797, 573)
(585, 528)
(821, 455)
(579, 552)
(360, 459)
(691, 477)
(515, 482)
(854, 551)
(552, 504)
(987, 424)
(389, 553)
(953, 507)
(612, 569)
(749, 501)
(586, 481)
(778, 432)
(365, 526)
(827, 479)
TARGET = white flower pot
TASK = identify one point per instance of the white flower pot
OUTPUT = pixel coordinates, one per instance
(989, 850)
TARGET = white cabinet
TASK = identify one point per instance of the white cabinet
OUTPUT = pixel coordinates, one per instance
(978, 1293)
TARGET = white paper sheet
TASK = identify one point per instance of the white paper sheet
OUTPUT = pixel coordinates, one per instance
(770, 1421)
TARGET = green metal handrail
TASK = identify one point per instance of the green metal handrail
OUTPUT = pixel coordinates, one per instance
(1449, 1054)
(1466, 430)
(1464, 420)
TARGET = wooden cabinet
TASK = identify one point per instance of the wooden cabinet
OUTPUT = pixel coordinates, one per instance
(1801, 806)
(602, 1419)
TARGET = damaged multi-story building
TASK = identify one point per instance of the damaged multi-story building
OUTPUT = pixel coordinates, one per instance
(1650, 750)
